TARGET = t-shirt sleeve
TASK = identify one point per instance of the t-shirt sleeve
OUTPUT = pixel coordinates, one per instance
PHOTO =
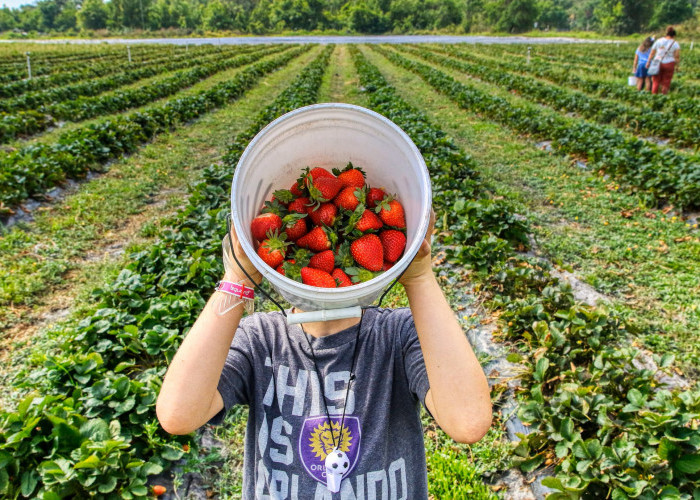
(236, 380)
(413, 359)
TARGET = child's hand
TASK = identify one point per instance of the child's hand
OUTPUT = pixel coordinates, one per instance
(232, 271)
(422, 266)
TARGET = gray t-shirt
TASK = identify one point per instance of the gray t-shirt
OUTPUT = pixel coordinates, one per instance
(270, 368)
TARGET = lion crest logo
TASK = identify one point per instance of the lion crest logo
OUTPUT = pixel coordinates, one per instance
(316, 442)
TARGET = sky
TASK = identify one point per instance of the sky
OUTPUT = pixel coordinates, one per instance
(15, 3)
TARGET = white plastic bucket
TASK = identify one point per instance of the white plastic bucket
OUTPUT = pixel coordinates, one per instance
(632, 81)
(330, 135)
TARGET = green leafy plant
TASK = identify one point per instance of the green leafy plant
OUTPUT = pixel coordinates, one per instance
(87, 426)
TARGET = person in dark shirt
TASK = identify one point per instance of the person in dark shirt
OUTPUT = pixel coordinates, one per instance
(329, 394)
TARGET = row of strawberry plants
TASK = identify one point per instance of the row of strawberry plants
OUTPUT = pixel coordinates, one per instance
(48, 70)
(34, 168)
(89, 427)
(23, 123)
(14, 54)
(602, 422)
(684, 131)
(78, 72)
(57, 56)
(662, 173)
(79, 109)
(91, 87)
(39, 70)
(673, 105)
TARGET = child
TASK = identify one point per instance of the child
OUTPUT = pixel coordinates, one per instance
(639, 68)
(305, 417)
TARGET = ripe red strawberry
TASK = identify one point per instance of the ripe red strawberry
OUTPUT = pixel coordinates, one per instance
(318, 239)
(325, 261)
(349, 198)
(393, 243)
(374, 196)
(391, 212)
(324, 189)
(341, 278)
(316, 277)
(318, 172)
(351, 176)
(387, 266)
(273, 250)
(264, 223)
(296, 189)
(311, 175)
(368, 221)
(295, 226)
(368, 252)
(299, 205)
(324, 214)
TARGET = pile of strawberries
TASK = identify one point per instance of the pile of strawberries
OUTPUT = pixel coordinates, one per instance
(330, 229)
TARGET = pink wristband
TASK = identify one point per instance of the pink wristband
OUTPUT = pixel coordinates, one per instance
(241, 291)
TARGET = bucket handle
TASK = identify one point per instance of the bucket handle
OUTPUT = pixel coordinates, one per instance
(324, 315)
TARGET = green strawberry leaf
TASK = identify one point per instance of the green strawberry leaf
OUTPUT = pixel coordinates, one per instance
(283, 195)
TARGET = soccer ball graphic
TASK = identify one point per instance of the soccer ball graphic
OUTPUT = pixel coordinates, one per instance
(337, 465)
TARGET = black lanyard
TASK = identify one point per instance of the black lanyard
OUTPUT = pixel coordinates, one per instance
(350, 381)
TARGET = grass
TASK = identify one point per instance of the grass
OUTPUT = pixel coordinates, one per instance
(229, 477)
(646, 260)
(58, 249)
(341, 83)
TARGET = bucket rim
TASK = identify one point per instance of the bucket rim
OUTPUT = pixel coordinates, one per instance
(359, 289)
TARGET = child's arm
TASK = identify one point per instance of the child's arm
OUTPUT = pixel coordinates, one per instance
(189, 397)
(652, 55)
(459, 397)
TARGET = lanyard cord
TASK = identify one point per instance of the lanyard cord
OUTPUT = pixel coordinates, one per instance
(350, 381)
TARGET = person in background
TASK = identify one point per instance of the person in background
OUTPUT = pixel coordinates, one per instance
(639, 67)
(669, 51)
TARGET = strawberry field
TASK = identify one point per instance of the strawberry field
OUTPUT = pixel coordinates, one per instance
(566, 238)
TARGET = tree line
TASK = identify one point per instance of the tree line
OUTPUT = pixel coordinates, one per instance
(352, 16)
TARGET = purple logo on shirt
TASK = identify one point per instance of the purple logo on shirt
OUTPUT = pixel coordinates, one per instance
(316, 441)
